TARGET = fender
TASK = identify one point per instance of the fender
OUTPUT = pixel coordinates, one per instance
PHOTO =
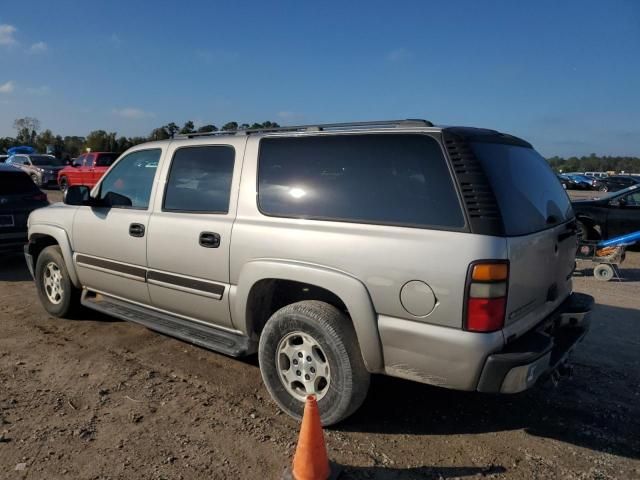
(350, 290)
(60, 235)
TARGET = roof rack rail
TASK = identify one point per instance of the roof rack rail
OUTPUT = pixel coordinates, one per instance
(410, 122)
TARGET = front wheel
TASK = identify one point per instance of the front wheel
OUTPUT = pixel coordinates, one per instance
(57, 294)
(603, 272)
(64, 184)
(310, 348)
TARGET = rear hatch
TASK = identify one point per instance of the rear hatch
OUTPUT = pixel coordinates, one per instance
(19, 196)
(539, 226)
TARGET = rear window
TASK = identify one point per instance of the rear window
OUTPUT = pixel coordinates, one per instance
(12, 183)
(44, 160)
(106, 159)
(528, 192)
(391, 179)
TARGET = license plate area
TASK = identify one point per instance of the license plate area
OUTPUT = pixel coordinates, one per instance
(6, 221)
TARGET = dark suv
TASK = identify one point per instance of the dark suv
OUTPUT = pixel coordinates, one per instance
(18, 198)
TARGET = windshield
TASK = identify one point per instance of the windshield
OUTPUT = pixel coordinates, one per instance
(44, 160)
(529, 194)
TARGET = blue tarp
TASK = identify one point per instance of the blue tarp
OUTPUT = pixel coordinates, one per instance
(627, 239)
(24, 149)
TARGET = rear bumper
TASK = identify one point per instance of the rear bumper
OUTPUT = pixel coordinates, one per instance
(541, 351)
(14, 241)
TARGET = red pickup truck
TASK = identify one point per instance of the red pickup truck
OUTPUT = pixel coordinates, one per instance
(87, 169)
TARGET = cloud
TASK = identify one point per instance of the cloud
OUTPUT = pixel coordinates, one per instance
(132, 113)
(115, 40)
(6, 34)
(7, 87)
(38, 47)
(399, 55)
(40, 91)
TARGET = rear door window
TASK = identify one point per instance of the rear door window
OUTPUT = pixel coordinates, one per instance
(91, 159)
(200, 180)
(390, 179)
(528, 193)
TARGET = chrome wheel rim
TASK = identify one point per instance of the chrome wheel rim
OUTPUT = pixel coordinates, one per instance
(302, 366)
(52, 281)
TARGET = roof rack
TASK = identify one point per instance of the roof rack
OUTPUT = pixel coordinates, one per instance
(410, 122)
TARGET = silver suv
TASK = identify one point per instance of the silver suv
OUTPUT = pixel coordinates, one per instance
(43, 169)
(439, 255)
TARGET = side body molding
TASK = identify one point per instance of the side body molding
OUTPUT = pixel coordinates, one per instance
(60, 235)
(350, 290)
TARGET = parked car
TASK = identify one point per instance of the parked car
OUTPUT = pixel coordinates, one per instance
(596, 174)
(566, 182)
(582, 182)
(609, 216)
(43, 169)
(620, 182)
(19, 196)
(86, 170)
(334, 251)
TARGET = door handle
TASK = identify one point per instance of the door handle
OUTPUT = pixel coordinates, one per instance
(209, 240)
(136, 230)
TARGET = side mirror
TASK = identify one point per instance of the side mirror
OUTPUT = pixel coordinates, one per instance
(77, 195)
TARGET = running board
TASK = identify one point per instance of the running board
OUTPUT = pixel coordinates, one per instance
(212, 338)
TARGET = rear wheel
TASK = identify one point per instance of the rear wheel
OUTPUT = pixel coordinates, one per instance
(57, 294)
(603, 272)
(310, 348)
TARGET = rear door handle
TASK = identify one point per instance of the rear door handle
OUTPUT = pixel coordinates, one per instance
(136, 230)
(209, 240)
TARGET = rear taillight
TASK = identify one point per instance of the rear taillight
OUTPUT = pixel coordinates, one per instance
(37, 197)
(486, 296)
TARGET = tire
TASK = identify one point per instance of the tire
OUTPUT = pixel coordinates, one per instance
(347, 379)
(603, 188)
(603, 272)
(56, 292)
(64, 184)
(586, 232)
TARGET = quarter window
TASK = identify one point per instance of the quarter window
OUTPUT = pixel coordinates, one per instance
(200, 180)
(128, 184)
(392, 179)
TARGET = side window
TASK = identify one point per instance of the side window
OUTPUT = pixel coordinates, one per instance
(390, 179)
(128, 184)
(632, 199)
(200, 180)
(90, 160)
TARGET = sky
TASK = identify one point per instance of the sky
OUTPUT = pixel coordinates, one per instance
(563, 75)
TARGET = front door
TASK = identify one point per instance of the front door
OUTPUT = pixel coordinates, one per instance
(110, 240)
(86, 170)
(190, 231)
(624, 215)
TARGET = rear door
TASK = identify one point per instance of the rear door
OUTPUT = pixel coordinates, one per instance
(540, 230)
(190, 230)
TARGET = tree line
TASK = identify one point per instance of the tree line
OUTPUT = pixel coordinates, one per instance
(28, 132)
(596, 163)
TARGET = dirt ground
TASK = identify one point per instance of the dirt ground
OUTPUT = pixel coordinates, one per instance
(96, 398)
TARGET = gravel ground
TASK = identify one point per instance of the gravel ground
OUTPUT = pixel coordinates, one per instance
(96, 398)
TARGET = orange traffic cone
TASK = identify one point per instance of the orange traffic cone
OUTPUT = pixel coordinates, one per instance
(310, 461)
